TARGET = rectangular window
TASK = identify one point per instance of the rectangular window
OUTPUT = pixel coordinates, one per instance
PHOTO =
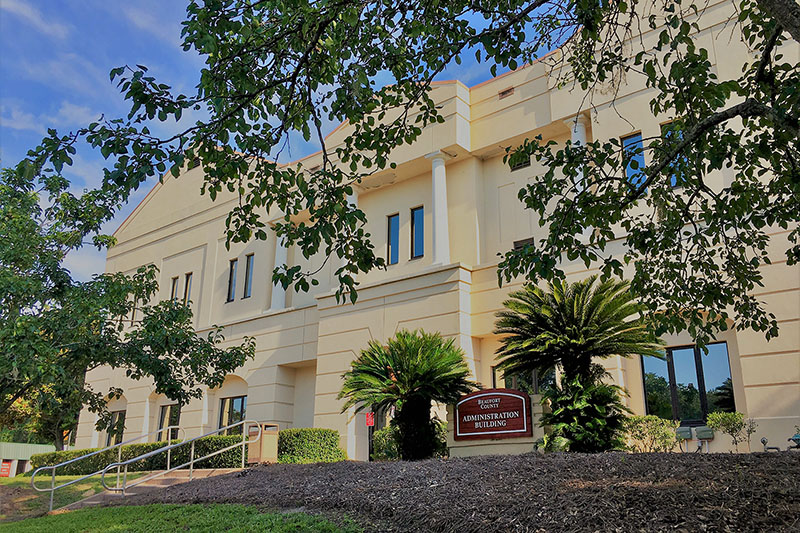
(393, 240)
(672, 133)
(116, 429)
(187, 288)
(173, 291)
(232, 280)
(520, 161)
(688, 385)
(633, 158)
(417, 232)
(248, 276)
(231, 411)
(170, 415)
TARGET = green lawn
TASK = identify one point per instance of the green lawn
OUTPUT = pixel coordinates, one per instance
(18, 499)
(147, 518)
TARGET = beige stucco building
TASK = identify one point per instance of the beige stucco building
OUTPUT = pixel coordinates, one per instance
(470, 214)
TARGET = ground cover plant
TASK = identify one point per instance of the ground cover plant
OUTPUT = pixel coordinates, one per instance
(553, 492)
(411, 372)
(206, 518)
(18, 500)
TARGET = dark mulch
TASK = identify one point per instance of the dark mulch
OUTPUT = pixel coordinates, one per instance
(557, 492)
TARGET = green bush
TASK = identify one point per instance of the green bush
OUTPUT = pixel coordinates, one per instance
(309, 445)
(734, 425)
(586, 416)
(229, 459)
(384, 444)
(651, 433)
(385, 441)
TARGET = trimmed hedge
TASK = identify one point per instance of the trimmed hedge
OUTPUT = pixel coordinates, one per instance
(229, 459)
(309, 445)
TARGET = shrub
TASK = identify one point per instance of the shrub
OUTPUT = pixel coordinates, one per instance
(386, 447)
(651, 434)
(584, 417)
(384, 444)
(309, 445)
(734, 425)
(229, 459)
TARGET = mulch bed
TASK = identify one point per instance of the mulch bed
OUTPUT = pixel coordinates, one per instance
(556, 492)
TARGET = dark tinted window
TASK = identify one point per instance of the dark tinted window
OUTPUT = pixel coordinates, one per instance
(417, 232)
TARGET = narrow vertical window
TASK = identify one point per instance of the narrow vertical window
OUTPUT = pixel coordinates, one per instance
(393, 240)
(633, 158)
(170, 416)
(232, 280)
(231, 411)
(417, 232)
(116, 429)
(173, 291)
(673, 134)
(187, 288)
(248, 276)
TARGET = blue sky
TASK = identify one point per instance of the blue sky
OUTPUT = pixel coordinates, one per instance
(55, 56)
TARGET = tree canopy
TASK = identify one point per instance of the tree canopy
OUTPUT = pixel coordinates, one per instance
(54, 329)
(279, 68)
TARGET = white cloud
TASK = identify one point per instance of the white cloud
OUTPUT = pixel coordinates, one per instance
(13, 117)
(145, 20)
(69, 71)
(70, 114)
(84, 262)
(35, 18)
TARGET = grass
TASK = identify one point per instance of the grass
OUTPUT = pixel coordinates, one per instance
(160, 517)
(19, 500)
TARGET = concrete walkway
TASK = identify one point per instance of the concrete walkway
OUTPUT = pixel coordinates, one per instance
(166, 480)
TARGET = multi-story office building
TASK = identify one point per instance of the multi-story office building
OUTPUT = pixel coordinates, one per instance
(442, 217)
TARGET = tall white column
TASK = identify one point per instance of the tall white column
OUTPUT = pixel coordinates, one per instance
(278, 300)
(441, 233)
(95, 433)
(146, 421)
(577, 127)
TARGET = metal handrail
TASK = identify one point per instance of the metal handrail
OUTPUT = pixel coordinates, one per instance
(53, 487)
(192, 459)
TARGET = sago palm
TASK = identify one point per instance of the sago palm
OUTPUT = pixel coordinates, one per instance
(413, 370)
(570, 325)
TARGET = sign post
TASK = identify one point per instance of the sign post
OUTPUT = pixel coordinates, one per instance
(493, 414)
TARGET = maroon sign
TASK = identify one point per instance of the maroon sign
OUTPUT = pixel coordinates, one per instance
(370, 419)
(493, 414)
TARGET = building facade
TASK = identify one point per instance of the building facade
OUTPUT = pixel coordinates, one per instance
(442, 215)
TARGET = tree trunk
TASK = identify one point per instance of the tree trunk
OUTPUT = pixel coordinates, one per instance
(784, 12)
(417, 434)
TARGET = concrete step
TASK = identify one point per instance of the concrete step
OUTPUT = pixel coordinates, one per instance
(165, 480)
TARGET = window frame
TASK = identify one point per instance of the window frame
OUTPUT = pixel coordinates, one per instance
(249, 261)
(226, 407)
(623, 139)
(389, 239)
(114, 434)
(673, 385)
(173, 290)
(414, 210)
(187, 288)
(164, 415)
(233, 265)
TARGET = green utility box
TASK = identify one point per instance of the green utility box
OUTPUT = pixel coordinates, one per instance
(683, 433)
(264, 450)
(703, 433)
